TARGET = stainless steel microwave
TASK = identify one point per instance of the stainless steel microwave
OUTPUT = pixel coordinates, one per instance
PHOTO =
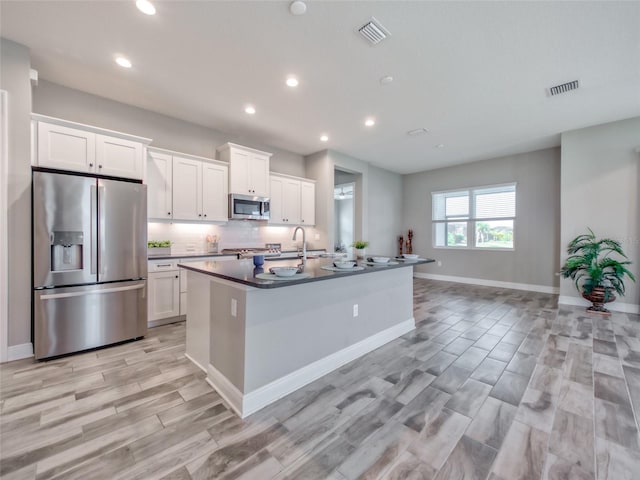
(248, 207)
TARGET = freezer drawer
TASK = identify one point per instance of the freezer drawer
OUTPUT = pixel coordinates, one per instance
(72, 319)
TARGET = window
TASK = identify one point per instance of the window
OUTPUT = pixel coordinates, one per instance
(481, 217)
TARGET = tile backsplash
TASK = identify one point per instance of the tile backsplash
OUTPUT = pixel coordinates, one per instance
(191, 237)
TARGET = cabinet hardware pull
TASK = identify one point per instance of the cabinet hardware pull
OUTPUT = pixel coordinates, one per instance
(91, 164)
(199, 214)
(205, 214)
(99, 166)
(163, 265)
(168, 213)
(177, 276)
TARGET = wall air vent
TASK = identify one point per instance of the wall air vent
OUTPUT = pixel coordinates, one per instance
(565, 87)
(373, 31)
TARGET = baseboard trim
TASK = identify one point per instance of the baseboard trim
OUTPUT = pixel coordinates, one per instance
(489, 283)
(614, 306)
(18, 352)
(201, 367)
(251, 402)
(227, 390)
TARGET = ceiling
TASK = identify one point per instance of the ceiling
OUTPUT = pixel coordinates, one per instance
(474, 74)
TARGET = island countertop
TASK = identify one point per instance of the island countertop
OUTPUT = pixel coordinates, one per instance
(244, 272)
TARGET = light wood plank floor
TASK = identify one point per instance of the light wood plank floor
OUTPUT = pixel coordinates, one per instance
(493, 384)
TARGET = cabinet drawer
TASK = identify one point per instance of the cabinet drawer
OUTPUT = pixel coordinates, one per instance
(163, 265)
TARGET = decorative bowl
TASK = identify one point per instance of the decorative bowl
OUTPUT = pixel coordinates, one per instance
(380, 259)
(410, 256)
(345, 264)
(284, 271)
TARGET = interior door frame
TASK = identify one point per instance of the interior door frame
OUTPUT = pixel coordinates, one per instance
(4, 230)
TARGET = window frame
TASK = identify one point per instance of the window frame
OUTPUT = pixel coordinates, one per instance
(471, 219)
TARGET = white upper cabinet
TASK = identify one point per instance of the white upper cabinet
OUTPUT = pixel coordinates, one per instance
(119, 157)
(292, 201)
(248, 169)
(215, 204)
(186, 187)
(82, 148)
(66, 148)
(159, 188)
(307, 203)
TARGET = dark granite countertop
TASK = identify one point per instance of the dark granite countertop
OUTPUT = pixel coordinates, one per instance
(244, 272)
(284, 253)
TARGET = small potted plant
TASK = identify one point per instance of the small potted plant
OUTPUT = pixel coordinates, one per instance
(360, 246)
(159, 247)
(595, 271)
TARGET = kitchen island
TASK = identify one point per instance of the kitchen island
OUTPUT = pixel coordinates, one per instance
(261, 339)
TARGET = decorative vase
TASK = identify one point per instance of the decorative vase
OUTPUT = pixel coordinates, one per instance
(360, 252)
(598, 297)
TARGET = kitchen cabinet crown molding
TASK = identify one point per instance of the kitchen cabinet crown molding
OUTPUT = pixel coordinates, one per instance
(292, 177)
(174, 153)
(90, 128)
(230, 145)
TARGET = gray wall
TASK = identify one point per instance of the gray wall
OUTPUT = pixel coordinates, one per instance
(377, 211)
(167, 132)
(537, 230)
(14, 78)
(600, 190)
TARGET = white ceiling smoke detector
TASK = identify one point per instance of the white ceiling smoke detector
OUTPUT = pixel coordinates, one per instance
(563, 88)
(298, 7)
(373, 31)
(386, 80)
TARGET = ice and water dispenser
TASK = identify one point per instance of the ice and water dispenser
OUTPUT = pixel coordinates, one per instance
(66, 251)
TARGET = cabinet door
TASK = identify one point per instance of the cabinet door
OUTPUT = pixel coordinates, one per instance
(66, 148)
(159, 173)
(276, 215)
(291, 201)
(187, 189)
(307, 203)
(215, 201)
(239, 172)
(118, 157)
(259, 174)
(164, 295)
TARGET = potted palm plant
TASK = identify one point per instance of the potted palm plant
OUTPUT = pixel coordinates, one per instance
(595, 271)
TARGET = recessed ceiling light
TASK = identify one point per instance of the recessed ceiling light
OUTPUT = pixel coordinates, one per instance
(146, 7)
(369, 122)
(298, 7)
(292, 82)
(386, 80)
(249, 109)
(123, 62)
(324, 138)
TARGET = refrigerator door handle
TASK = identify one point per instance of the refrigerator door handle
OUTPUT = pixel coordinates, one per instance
(94, 230)
(86, 292)
(102, 230)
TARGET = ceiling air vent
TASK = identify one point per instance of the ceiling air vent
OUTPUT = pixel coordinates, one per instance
(373, 31)
(565, 87)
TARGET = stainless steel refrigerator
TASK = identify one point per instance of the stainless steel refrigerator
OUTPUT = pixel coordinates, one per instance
(89, 262)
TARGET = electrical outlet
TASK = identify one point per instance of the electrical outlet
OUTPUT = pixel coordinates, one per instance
(234, 307)
(439, 263)
(355, 310)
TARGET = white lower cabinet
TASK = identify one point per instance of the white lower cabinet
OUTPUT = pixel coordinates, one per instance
(164, 295)
(167, 288)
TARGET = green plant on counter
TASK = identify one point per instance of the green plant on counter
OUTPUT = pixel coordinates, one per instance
(360, 244)
(158, 243)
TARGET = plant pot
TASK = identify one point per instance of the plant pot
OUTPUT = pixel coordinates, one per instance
(598, 297)
(360, 252)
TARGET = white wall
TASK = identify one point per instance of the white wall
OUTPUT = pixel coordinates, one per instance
(600, 190)
(534, 261)
(14, 78)
(167, 132)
